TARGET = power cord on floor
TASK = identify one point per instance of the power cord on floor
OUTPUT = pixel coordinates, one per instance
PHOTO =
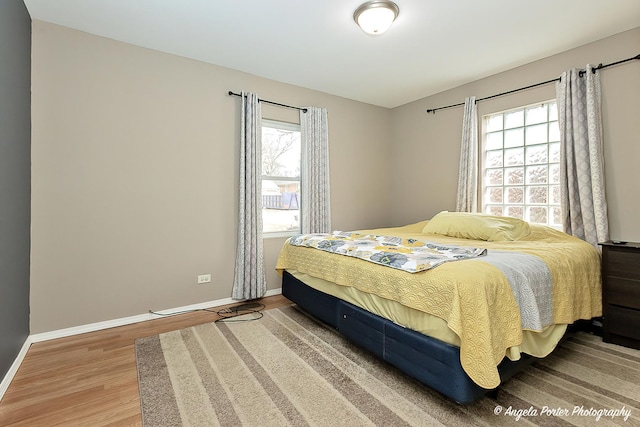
(226, 314)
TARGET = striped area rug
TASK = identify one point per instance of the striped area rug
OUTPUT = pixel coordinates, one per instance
(286, 369)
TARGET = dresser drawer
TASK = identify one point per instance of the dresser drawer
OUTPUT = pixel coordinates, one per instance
(623, 321)
(624, 292)
(621, 262)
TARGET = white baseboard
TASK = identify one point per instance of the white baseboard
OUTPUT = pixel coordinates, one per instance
(98, 326)
(4, 384)
(92, 327)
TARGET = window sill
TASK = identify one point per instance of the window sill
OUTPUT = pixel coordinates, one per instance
(279, 235)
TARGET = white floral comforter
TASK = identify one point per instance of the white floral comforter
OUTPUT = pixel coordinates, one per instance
(410, 255)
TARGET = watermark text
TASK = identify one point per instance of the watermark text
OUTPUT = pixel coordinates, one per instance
(574, 411)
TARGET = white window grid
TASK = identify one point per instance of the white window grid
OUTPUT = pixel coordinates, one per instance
(521, 164)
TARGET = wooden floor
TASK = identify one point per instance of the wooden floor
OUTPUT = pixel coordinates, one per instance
(89, 379)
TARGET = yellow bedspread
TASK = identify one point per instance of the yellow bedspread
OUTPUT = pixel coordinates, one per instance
(472, 296)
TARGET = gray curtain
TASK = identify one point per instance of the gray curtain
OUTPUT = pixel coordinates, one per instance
(316, 203)
(583, 200)
(250, 280)
(467, 194)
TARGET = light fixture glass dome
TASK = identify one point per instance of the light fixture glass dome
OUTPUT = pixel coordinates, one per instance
(376, 17)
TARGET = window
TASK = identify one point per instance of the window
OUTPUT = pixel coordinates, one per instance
(521, 164)
(281, 143)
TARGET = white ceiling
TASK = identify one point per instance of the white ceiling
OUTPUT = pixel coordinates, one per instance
(434, 45)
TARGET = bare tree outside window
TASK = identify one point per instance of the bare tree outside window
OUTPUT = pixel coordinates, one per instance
(275, 149)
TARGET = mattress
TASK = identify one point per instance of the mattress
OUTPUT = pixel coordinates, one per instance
(472, 298)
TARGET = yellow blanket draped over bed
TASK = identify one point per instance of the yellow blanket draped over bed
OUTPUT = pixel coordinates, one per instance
(472, 296)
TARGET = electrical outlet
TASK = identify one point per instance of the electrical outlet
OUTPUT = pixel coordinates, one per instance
(204, 278)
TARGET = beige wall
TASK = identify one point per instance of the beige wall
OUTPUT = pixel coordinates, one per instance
(135, 153)
(135, 176)
(426, 147)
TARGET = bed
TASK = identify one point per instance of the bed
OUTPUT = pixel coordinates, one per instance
(462, 324)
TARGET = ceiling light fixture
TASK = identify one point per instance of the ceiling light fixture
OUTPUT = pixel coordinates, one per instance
(375, 17)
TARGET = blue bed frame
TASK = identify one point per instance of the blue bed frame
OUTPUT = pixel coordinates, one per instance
(430, 361)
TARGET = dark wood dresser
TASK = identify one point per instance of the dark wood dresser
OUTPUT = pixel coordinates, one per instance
(621, 293)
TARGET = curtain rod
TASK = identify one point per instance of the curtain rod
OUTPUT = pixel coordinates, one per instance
(600, 67)
(581, 73)
(304, 110)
